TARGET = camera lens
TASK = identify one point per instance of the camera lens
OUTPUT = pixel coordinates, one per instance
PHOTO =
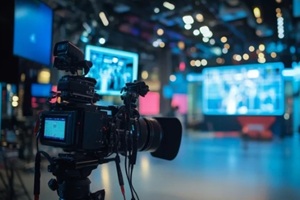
(150, 134)
(161, 136)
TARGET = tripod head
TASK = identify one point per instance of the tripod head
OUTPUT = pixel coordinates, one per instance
(71, 172)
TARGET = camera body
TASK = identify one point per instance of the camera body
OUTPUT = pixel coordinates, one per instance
(74, 128)
(91, 134)
(76, 124)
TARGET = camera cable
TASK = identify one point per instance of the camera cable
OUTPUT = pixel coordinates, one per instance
(37, 170)
(120, 176)
(129, 165)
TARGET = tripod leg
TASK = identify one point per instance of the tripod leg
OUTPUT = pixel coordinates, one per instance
(11, 183)
(3, 181)
(23, 185)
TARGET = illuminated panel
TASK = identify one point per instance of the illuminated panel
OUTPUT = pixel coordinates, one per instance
(112, 68)
(33, 29)
(254, 89)
(149, 105)
(181, 101)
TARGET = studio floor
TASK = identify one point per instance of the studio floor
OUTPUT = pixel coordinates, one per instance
(207, 167)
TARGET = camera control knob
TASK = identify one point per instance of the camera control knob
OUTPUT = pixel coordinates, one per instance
(53, 185)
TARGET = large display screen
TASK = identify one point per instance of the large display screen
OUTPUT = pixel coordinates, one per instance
(111, 68)
(33, 22)
(253, 89)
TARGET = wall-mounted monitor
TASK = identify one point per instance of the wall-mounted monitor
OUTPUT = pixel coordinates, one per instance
(252, 89)
(33, 21)
(41, 90)
(111, 68)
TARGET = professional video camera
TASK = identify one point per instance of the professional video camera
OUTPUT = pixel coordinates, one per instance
(90, 134)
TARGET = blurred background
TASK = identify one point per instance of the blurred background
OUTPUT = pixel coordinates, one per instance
(228, 69)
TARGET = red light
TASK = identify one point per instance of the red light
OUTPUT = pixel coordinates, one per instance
(182, 66)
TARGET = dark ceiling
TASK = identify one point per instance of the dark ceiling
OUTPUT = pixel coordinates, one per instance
(133, 25)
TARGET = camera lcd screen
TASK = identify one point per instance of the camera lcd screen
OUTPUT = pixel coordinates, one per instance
(111, 68)
(55, 128)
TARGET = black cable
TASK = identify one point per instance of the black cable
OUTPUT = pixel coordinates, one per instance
(37, 175)
(127, 169)
(129, 173)
(132, 185)
(37, 170)
(120, 176)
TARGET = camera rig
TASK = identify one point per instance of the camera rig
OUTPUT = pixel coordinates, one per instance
(91, 135)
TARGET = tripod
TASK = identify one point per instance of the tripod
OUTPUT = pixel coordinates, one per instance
(72, 181)
(9, 158)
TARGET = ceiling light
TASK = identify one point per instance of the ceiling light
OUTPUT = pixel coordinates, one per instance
(199, 17)
(261, 60)
(181, 45)
(103, 18)
(212, 41)
(192, 63)
(204, 29)
(227, 46)
(237, 57)
(224, 51)
(196, 32)
(44, 76)
(188, 19)
(251, 48)
(245, 56)
(168, 5)
(197, 63)
(261, 47)
(273, 54)
(187, 26)
(144, 74)
(259, 20)
(261, 55)
(220, 60)
(160, 31)
(101, 40)
(172, 78)
(280, 27)
(205, 39)
(223, 39)
(256, 12)
(203, 62)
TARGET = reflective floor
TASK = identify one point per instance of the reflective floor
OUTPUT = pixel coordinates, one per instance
(206, 168)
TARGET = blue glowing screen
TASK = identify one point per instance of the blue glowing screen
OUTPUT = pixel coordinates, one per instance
(55, 128)
(253, 89)
(41, 90)
(33, 21)
(111, 68)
